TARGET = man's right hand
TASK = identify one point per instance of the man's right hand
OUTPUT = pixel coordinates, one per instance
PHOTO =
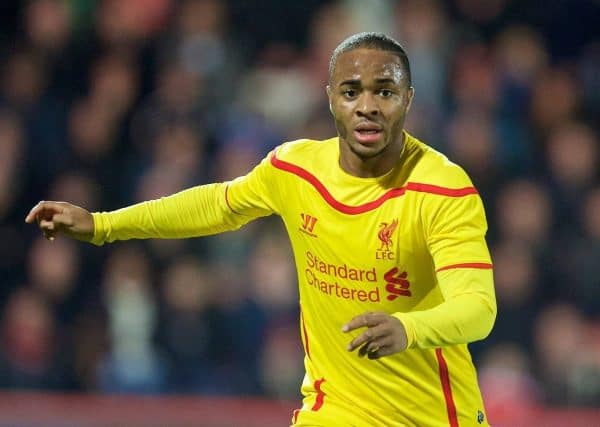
(61, 217)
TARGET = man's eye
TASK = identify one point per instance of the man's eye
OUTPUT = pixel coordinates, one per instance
(349, 93)
(386, 93)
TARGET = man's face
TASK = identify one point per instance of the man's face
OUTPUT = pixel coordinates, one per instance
(369, 96)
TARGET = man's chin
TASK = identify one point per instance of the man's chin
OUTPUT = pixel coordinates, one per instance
(367, 151)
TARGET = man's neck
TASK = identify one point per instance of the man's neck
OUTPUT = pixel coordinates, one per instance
(372, 167)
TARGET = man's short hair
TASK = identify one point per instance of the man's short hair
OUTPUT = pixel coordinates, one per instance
(371, 40)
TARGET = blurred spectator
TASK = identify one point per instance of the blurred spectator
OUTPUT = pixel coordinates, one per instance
(132, 364)
(114, 84)
(47, 24)
(175, 99)
(474, 79)
(517, 293)
(577, 258)
(520, 54)
(201, 44)
(572, 156)
(128, 23)
(12, 185)
(11, 160)
(180, 148)
(272, 273)
(424, 30)
(481, 13)
(78, 187)
(567, 362)
(555, 99)
(23, 81)
(53, 269)
(472, 144)
(23, 90)
(281, 365)
(91, 132)
(589, 67)
(331, 24)
(524, 213)
(31, 355)
(192, 331)
(287, 96)
(506, 380)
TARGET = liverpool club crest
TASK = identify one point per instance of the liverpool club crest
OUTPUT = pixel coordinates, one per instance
(386, 230)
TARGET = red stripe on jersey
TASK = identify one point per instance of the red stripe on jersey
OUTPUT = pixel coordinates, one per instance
(227, 199)
(305, 334)
(320, 395)
(445, 379)
(365, 207)
(442, 191)
(295, 416)
(481, 265)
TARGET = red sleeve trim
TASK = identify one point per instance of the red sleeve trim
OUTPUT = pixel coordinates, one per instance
(365, 207)
(480, 265)
(227, 199)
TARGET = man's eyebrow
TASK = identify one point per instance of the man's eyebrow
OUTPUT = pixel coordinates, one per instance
(352, 82)
(357, 82)
(384, 80)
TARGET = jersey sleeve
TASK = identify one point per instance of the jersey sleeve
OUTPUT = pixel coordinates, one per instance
(466, 315)
(198, 211)
(454, 227)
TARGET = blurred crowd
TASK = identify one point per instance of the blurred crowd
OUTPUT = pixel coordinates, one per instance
(104, 103)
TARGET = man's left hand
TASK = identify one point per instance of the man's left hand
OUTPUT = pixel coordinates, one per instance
(385, 335)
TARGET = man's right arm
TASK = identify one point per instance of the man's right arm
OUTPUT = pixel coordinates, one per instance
(198, 211)
(194, 212)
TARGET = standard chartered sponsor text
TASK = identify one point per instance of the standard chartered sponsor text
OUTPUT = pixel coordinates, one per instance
(317, 268)
(340, 271)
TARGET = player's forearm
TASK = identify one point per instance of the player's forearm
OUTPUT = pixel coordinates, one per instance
(197, 211)
(466, 315)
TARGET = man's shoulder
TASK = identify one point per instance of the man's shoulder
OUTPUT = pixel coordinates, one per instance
(434, 168)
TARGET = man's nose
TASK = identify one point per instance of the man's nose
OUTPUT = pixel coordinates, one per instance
(367, 105)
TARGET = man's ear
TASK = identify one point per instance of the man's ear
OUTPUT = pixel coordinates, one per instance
(328, 89)
(411, 94)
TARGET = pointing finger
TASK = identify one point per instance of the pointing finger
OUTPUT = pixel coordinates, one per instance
(33, 213)
(43, 208)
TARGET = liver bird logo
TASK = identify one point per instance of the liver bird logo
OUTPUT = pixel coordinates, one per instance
(385, 234)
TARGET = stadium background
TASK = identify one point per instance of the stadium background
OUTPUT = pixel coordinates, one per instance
(108, 102)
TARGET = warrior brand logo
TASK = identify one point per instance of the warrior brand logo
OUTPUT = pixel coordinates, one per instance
(308, 224)
(385, 237)
(397, 284)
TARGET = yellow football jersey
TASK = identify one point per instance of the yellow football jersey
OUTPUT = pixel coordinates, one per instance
(410, 243)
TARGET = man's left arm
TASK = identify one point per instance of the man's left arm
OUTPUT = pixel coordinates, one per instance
(454, 229)
(466, 315)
